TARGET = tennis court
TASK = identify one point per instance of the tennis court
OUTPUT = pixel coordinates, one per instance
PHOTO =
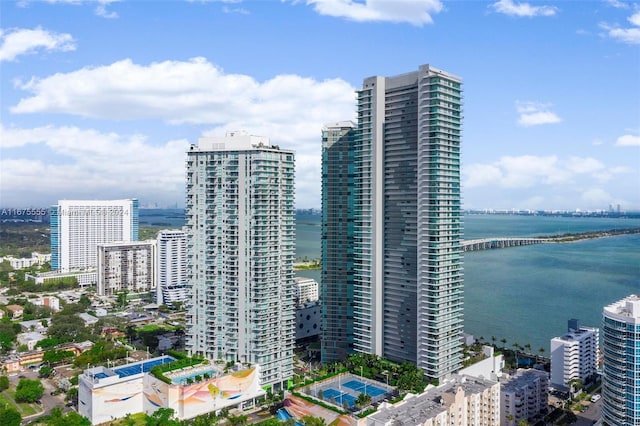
(339, 397)
(358, 386)
(143, 367)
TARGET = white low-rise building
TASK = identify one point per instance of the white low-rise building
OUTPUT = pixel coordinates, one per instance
(87, 278)
(489, 368)
(49, 301)
(306, 290)
(459, 401)
(27, 262)
(30, 339)
(574, 355)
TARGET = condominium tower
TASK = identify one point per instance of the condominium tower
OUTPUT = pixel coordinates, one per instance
(171, 270)
(574, 355)
(392, 280)
(126, 266)
(78, 226)
(621, 362)
(241, 249)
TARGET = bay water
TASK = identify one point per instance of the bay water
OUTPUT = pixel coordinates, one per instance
(526, 294)
(522, 294)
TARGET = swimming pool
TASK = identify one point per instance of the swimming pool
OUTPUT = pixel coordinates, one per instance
(183, 379)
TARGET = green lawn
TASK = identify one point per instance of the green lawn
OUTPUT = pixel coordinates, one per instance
(24, 408)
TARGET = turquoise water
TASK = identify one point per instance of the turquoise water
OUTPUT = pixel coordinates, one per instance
(527, 294)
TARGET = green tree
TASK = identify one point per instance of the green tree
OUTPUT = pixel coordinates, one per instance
(72, 396)
(363, 400)
(7, 335)
(313, 421)
(45, 371)
(29, 390)
(161, 417)
(504, 343)
(239, 420)
(9, 416)
(56, 418)
(68, 328)
(4, 383)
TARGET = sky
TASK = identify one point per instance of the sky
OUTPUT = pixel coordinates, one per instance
(100, 99)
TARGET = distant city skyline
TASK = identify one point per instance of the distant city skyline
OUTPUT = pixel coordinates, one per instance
(92, 110)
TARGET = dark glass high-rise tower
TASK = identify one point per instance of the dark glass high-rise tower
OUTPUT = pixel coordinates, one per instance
(392, 224)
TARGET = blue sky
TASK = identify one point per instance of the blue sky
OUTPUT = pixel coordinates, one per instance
(100, 99)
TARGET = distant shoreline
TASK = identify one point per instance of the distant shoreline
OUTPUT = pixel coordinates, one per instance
(591, 235)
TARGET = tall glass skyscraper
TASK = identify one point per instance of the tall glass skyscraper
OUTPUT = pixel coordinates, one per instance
(241, 249)
(621, 362)
(399, 244)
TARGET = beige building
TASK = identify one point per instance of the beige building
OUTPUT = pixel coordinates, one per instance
(524, 396)
(459, 401)
(126, 266)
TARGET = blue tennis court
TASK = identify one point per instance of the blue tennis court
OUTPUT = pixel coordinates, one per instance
(358, 386)
(339, 397)
(143, 367)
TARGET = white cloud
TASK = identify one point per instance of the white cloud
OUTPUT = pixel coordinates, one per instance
(584, 165)
(629, 35)
(618, 4)
(596, 196)
(628, 140)
(21, 41)
(530, 171)
(416, 12)
(91, 162)
(288, 109)
(509, 7)
(100, 10)
(535, 113)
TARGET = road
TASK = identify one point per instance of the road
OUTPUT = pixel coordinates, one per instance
(48, 401)
(591, 414)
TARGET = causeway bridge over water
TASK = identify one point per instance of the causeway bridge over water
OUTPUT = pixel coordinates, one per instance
(494, 243)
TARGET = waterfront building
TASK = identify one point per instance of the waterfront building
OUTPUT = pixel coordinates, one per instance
(171, 270)
(337, 242)
(489, 368)
(621, 362)
(392, 224)
(574, 355)
(460, 401)
(126, 266)
(241, 250)
(306, 290)
(78, 226)
(524, 396)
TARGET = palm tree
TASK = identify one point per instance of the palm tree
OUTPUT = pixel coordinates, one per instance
(493, 340)
(504, 343)
(541, 352)
(528, 348)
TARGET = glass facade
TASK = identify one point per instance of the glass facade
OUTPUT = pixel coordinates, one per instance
(401, 237)
(241, 249)
(337, 240)
(621, 363)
